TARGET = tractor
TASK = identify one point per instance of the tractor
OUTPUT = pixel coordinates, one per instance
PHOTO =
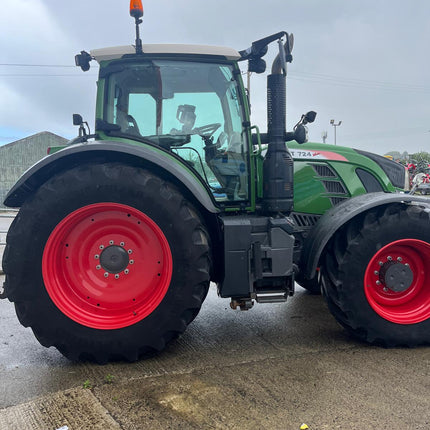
(120, 233)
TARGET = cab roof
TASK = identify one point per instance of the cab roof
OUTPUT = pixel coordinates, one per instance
(106, 54)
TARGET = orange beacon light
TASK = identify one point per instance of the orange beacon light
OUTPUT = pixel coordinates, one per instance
(136, 9)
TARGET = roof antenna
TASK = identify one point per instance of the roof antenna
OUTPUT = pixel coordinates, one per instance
(136, 11)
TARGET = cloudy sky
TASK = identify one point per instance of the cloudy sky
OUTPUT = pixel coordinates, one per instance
(365, 63)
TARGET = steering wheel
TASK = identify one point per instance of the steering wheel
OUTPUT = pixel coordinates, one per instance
(206, 130)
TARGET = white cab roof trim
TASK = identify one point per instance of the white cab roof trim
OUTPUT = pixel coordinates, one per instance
(105, 54)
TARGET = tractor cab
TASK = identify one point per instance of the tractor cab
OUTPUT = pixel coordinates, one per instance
(183, 99)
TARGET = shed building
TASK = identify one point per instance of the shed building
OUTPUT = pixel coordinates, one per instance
(17, 157)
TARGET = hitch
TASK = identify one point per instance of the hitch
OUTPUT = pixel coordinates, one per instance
(243, 304)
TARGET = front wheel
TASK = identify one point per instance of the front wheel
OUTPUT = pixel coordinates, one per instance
(376, 278)
(106, 262)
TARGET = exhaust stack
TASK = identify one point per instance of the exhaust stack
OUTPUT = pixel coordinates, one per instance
(278, 170)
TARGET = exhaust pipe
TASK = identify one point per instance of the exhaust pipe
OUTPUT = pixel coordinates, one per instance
(278, 168)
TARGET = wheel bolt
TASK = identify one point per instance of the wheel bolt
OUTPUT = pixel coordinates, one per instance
(130, 251)
(97, 256)
(126, 271)
(131, 261)
(378, 282)
(98, 267)
(106, 274)
(385, 289)
(389, 258)
(122, 243)
(406, 264)
(399, 259)
(381, 263)
(117, 276)
(101, 246)
(376, 272)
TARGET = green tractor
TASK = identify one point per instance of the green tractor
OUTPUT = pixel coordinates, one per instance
(120, 233)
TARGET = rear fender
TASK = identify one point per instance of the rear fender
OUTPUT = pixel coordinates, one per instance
(337, 216)
(108, 151)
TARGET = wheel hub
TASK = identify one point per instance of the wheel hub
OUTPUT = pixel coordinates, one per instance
(398, 277)
(397, 281)
(114, 259)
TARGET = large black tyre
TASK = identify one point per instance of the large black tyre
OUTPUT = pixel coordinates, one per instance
(376, 278)
(107, 262)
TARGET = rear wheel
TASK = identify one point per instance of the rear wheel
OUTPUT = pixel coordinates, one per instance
(107, 261)
(375, 276)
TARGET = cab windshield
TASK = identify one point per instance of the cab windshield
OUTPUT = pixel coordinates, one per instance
(192, 109)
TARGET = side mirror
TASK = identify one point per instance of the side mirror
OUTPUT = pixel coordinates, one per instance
(309, 117)
(77, 119)
(301, 134)
(82, 60)
(256, 65)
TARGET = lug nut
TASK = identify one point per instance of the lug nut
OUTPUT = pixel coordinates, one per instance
(111, 242)
(376, 272)
(399, 259)
(98, 267)
(381, 263)
(131, 261)
(378, 282)
(106, 274)
(130, 251)
(117, 276)
(385, 290)
(389, 258)
(126, 271)
(97, 256)
(122, 244)
(101, 246)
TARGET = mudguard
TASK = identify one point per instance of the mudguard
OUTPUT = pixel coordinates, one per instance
(107, 151)
(337, 216)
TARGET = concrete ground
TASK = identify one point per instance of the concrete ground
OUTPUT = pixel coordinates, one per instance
(6, 218)
(276, 366)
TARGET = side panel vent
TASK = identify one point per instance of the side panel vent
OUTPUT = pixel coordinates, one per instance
(324, 170)
(370, 183)
(336, 200)
(395, 171)
(305, 220)
(334, 187)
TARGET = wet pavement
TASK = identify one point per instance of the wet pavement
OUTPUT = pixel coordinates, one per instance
(273, 367)
(276, 366)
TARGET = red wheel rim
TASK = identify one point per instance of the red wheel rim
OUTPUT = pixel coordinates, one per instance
(107, 266)
(397, 281)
